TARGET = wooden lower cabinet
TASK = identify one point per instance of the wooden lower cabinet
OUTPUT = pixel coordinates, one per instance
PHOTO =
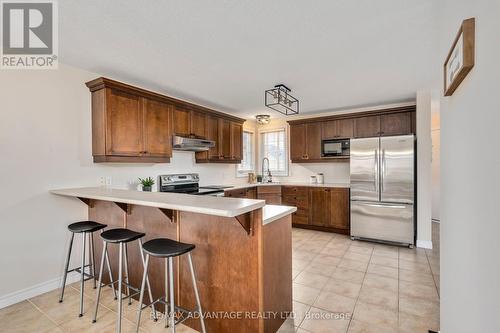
(248, 193)
(320, 208)
(270, 193)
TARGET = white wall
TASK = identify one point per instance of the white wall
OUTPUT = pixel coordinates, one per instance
(470, 178)
(436, 166)
(424, 154)
(45, 143)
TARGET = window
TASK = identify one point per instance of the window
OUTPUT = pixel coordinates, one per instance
(248, 162)
(273, 146)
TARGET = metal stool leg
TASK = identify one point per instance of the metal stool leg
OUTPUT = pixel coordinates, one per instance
(120, 277)
(125, 252)
(150, 292)
(110, 274)
(66, 267)
(196, 295)
(141, 297)
(171, 292)
(167, 295)
(82, 274)
(92, 257)
(99, 283)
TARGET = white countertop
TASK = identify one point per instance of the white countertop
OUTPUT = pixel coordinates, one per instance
(238, 186)
(272, 213)
(218, 206)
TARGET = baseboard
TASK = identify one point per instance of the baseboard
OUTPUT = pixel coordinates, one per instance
(424, 244)
(42, 288)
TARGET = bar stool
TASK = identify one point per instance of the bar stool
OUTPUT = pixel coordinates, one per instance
(121, 237)
(86, 228)
(168, 249)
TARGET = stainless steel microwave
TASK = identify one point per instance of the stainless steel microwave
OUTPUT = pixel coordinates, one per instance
(335, 147)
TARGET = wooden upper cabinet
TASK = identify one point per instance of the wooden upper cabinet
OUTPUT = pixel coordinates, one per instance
(225, 138)
(213, 134)
(236, 141)
(297, 142)
(124, 136)
(365, 127)
(342, 129)
(198, 124)
(157, 120)
(182, 121)
(395, 124)
(313, 141)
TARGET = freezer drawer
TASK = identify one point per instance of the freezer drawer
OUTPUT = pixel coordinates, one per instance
(380, 221)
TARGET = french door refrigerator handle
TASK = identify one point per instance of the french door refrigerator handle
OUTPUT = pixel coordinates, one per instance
(376, 171)
(382, 171)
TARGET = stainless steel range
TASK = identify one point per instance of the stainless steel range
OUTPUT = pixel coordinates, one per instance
(188, 183)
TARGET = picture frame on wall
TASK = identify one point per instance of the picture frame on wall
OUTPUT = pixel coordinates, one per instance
(460, 59)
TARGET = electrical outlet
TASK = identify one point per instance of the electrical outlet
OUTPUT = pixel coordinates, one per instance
(102, 181)
(108, 181)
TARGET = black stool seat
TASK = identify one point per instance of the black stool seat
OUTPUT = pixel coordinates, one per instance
(164, 247)
(85, 226)
(120, 235)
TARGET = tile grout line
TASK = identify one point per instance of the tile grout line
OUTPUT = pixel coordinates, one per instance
(362, 282)
(42, 312)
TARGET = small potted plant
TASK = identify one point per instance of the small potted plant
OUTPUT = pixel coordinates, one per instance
(147, 183)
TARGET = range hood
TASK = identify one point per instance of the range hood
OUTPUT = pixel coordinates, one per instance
(191, 144)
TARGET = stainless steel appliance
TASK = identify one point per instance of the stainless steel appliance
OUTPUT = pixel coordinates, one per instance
(191, 144)
(383, 189)
(189, 184)
(335, 147)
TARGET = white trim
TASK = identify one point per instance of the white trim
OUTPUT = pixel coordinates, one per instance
(244, 173)
(424, 244)
(42, 288)
(284, 128)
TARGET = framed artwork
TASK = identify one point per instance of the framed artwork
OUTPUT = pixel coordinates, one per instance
(460, 59)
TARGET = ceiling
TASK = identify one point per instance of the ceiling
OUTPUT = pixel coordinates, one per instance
(333, 54)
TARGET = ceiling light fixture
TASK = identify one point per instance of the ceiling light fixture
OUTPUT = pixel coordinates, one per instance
(263, 119)
(279, 99)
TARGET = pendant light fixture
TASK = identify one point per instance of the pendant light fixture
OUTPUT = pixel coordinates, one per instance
(279, 99)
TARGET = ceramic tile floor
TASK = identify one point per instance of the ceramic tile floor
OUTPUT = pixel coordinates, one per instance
(339, 286)
(343, 286)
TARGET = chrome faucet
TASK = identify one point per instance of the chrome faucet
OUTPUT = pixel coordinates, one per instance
(266, 176)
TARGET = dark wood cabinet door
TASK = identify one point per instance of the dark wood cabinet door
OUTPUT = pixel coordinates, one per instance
(252, 193)
(365, 127)
(271, 198)
(182, 121)
(313, 141)
(395, 124)
(319, 207)
(157, 128)
(297, 142)
(213, 134)
(198, 124)
(124, 135)
(339, 208)
(236, 141)
(329, 129)
(345, 128)
(225, 138)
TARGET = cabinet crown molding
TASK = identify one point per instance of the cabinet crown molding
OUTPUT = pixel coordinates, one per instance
(102, 82)
(409, 108)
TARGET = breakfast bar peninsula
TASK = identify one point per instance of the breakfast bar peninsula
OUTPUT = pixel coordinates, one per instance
(243, 254)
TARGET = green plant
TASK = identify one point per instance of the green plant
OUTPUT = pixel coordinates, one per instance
(147, 181)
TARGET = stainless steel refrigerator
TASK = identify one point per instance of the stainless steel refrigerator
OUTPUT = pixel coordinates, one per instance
(383, 189)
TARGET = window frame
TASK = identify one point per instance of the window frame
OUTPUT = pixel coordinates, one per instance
(286, 171)
(244, 172)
